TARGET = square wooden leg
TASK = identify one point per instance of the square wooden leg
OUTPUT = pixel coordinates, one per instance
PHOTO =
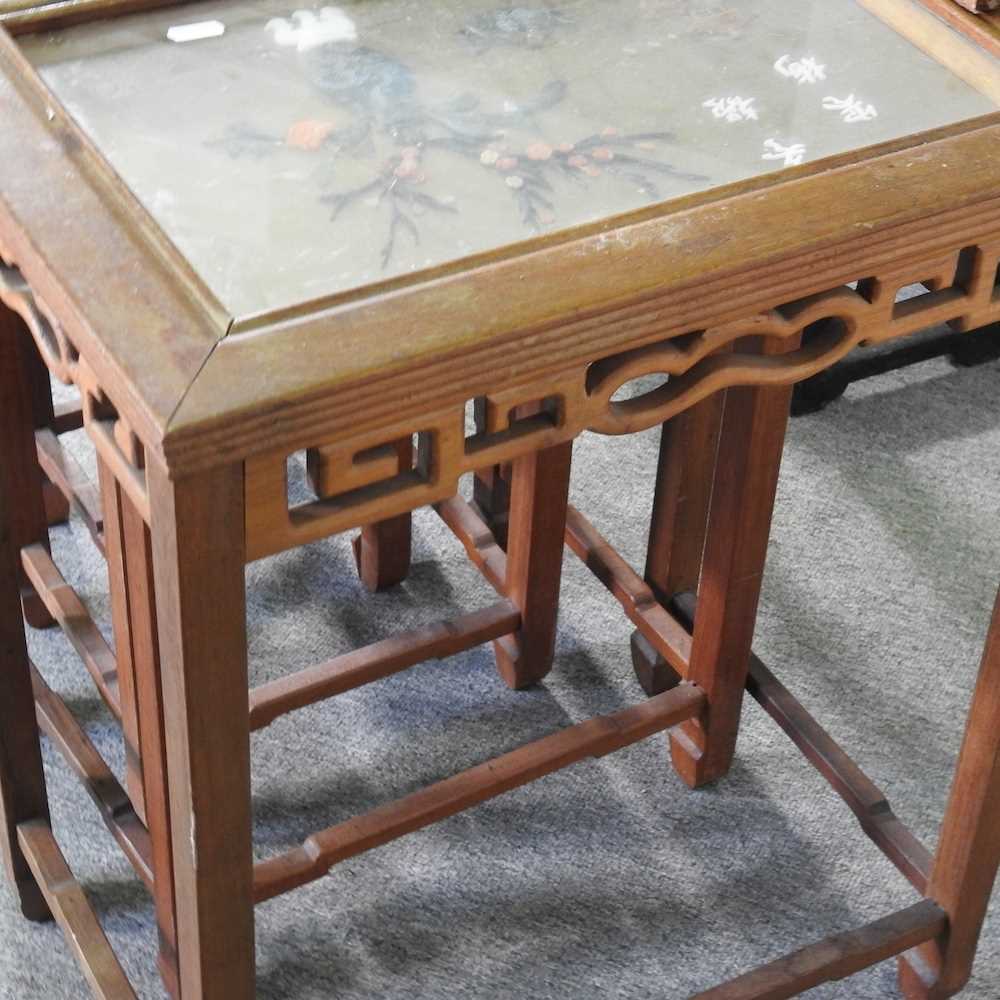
(746, 478)
(539, 498)
(112, 499)
(198, 530)
(22, 780)
(40, 389)
(382, 551)
(19, 391)
(128, 546)
(491, 486)
(679, 520)
(968, 854)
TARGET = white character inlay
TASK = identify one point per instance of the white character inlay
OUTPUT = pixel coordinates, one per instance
(851, 108)
(804, 70)
(791, 155)
(732, 109)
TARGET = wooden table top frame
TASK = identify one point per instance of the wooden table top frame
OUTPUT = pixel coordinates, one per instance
(546, 333)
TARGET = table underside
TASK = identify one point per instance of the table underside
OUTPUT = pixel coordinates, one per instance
(293, 154)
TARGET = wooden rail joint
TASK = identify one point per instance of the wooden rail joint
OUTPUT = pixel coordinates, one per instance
(73, 912)
(366, 478)
(594, 738)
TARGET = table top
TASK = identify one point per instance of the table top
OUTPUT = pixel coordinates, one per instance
(263, 228)
(292, 154)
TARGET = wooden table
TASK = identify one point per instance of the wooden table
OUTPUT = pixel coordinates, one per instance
(246, 232)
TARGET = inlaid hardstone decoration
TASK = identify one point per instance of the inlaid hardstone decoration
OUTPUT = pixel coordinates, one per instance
(298, 151)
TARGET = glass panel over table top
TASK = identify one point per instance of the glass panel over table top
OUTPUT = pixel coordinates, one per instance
(292, 153)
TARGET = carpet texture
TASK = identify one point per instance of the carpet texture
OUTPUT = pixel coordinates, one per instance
(609, 879)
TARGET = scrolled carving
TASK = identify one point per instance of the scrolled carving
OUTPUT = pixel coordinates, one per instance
(706, 362)
(963, 289)
(58, 353)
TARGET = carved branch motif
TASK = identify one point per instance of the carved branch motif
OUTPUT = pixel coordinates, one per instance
(962, 289)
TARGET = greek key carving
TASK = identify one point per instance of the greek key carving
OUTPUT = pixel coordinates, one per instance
(365, 482)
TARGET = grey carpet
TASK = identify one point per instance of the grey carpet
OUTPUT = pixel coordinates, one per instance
(609, 879)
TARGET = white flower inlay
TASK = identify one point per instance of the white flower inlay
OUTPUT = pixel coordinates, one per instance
(804, 70)
(307, 30)
(791, 155)
(732, 109)
(851, 108)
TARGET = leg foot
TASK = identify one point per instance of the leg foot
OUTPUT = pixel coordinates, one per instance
(739, 521)
(539, 498)
(382, 553)
(652, 671)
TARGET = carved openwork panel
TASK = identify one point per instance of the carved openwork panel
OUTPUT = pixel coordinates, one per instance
(118, 445)
(363, 479)
(58, 353)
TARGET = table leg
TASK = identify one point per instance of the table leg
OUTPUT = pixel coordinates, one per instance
(130, 570)
(27, 513)
(739, 522)
(538, 502)
(40, 390)
(198, 530)
(383, 550)
(22, 780)
(679, 520)
(491, 486)
(968, 853)
(112, 498)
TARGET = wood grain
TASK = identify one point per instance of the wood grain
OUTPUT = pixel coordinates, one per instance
(835, 957)
(66, 474)
(113, 803)
(198, 560)
(593, 738)
(968, 854)
(61, 203)
(337, 368)
(22, 780)
(970, 53)
(739, 521)
(121, 624)
(481, 545)
(74, 619)
(678, 522)
(382, 551)
(26, 506)
(24, 16)
(679, 518)
(983, 29)
(539, 495)
(381, 659)
(666, 635)
(138, 550)
(73, 913)
(865, 799)
(978, 6)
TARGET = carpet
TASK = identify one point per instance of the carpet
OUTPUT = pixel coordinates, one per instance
(609, 879)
